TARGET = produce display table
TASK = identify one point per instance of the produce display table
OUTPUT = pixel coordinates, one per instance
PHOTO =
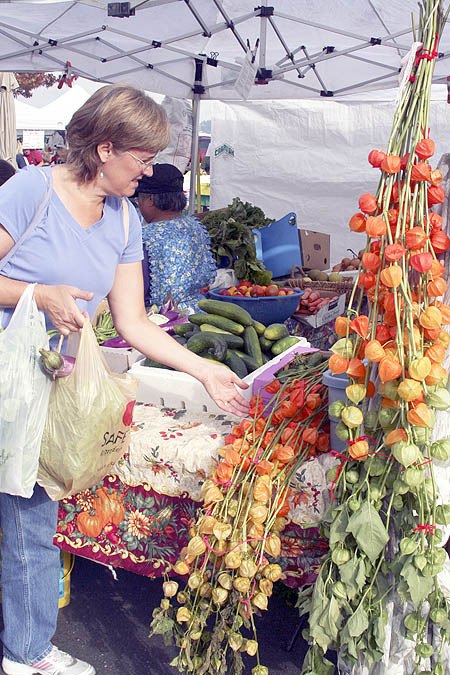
(138, 518)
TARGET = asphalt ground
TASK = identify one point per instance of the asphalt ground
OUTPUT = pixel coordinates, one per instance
(107, 623)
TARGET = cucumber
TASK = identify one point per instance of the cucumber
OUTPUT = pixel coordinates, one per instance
(182, 328)
(266, 345)
(249, 361)
(233, 341)
(218, 322)
(236, 364)
(181, 339)
(209, 328)
(276, 331)
(252, 346)
(284, 343)
(266, 358)
(227, 309)
(259, 327)
(210, 358)
(212, 343)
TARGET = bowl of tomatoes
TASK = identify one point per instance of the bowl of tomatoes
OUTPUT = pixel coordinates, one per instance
(266, 304)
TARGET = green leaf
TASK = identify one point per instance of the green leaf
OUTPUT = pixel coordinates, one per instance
(419, 586)
(368, 529)
(358, 622)
(338, 528)
(353, 575)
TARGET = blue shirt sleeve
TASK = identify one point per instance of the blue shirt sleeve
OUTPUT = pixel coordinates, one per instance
(133, 250)
(20, 197)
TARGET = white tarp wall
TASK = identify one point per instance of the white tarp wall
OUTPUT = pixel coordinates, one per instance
(309, 157)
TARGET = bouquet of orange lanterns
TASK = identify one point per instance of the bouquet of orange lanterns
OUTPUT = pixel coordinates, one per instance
(383, 528)
(230, 561)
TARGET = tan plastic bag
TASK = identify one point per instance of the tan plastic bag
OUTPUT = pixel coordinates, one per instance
(88, 422)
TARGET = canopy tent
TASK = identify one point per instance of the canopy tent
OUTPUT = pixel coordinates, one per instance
(221, 49)
(8, 143)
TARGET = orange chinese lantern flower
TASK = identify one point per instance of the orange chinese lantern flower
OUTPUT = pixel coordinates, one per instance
(437, 269)
(436, 353)
(444, 338)
(421, 262)
(366, 280)
(419, 368)
(359, 450)
(431, 317)
(415, 238)
(435, 220)
(338, 364)
(264, 467)
(436, 177)
(437, 375)
(232, 457)
(391, 164)
(375, 226)
(357, 222)
(283, 453)
(444, 310)
(390, 320)
(389, 403)
(392, 217)
(360, 325)
(368, 203)
(439, 241)
(341, 326)
(370, 389)
(435, 194)
(394, 252)
(404, 161)
(375, 246)
(310, 436)
(425, 148)
(389, 302)
(389, 369)
(323, 443)
(432, 334)
(288, 409)
(370, 261)
(313, 401)
(224, 472)
(391, 276)
(374, 351)
(356, 369)
(409, 389)
(376, 157)
(437, 287)
(395, 436)
(420, 415)
(421, 172)
(382, 334)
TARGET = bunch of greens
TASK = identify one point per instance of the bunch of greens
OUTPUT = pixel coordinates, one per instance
(232, 240)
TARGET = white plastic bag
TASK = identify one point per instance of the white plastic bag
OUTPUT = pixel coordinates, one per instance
(88, 422)
(24, 394)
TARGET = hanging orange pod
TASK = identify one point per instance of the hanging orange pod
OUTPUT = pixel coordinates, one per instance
(375, 246)
(395, 436)
(437, 269)
(389, 403)
(436, 177)
(370, 389)
(391, 164)
(390, 319)
(395, 193)
(376, 157)
(437, 287)
(421, 262)
(409, 389)
(340, 326)
(356, 369)
(392, 217)
(445, 312)
(415, 238)
(431, 317)
(435, 220)
(366, 280)
(391, 276)
(416, 337)
(394, 252)
(371, 294)
(432, 334)
(444, 338)
(404, 161)
(420, 415)
(437, 375)
(439, 241)
(357, 222)
(368, 203)
(435, 194)
(360, 325)
(436, 352)
(359, 450)
(338, 364)
(389, 369)
(371, 262)
(419, 368)
(374, 351)
(425, 148)
(421, 172)
(382, 334)
(310, 436)
(375, 226)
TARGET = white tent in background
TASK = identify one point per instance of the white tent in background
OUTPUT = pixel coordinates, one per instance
(8, 143)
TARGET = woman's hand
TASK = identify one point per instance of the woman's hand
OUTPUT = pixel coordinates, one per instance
(220, 382)
(59, 303)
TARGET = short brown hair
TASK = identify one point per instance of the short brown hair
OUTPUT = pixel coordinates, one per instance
(118, 113)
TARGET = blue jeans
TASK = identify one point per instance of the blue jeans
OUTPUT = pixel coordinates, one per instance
(30, 575)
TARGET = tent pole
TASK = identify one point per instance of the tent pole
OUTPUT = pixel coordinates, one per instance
(194, 152)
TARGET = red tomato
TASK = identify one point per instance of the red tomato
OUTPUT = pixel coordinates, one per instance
(272, 290)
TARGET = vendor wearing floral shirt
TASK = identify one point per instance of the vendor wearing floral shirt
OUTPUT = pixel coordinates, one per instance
(177, 247)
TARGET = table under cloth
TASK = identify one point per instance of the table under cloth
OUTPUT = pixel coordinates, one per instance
(155, 489)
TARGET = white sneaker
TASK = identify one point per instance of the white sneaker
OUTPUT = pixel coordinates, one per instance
(55, 663)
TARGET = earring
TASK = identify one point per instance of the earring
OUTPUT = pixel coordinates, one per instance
(102, 175)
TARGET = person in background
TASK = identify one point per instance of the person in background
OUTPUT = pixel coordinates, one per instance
(177, 247)
(21, 160)
(46, 158)
(6, 171)
(113, 140)
(33, 157)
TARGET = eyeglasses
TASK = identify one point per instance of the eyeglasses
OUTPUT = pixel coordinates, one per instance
(144, 165)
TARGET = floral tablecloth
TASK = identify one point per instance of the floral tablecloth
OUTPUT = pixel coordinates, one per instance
(138, 518)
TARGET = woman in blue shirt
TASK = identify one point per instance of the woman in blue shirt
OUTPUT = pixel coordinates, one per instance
(78, 254)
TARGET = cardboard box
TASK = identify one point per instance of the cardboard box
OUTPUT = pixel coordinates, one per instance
(120, 359)
(314, 249)
(325, 314)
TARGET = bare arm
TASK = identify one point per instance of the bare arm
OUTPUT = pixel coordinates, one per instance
(130, 319)
(57, 301)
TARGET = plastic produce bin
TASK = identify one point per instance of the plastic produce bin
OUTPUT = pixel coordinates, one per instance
(336, 392)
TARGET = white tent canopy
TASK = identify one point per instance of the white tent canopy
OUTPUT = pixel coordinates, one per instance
(300, 48)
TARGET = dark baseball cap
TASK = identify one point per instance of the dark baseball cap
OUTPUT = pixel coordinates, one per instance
(165, 178)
